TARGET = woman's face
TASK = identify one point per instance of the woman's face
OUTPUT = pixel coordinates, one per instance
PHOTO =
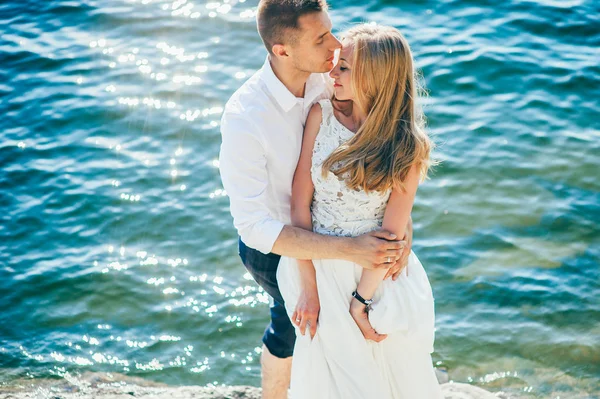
(341, 73)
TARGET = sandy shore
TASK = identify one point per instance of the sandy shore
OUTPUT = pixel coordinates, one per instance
(113, 386)
(451, 391)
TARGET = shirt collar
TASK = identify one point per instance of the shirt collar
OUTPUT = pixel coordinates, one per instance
(281, 93)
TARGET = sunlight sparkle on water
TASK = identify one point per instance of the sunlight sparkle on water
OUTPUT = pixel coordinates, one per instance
(91, 340)
(168, 338)
(248, 14)
(155, 281)
(187, 79)
(201, 278)
(132, 102)
(176, 262)
(154, 365)
(149, 261)
(218, 193)
(130, 197)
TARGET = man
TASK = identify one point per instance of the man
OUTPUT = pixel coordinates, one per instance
(262, 129)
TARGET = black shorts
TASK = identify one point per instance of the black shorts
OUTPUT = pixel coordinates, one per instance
(279, 336)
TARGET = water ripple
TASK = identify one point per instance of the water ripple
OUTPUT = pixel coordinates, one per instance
(117, 250)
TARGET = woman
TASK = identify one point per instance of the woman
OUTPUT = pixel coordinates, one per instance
(363, 155)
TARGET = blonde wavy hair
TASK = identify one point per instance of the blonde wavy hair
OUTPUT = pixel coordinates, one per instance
(392, 138)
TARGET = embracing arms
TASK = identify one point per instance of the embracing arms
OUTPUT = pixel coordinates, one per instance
(307, 308)
(243, 168)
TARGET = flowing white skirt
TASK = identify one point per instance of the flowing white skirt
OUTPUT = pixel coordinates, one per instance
(338, 363)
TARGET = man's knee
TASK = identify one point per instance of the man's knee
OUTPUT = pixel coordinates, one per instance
(280, 344)
(280, 335)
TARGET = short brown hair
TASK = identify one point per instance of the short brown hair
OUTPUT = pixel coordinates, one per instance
(277, 18)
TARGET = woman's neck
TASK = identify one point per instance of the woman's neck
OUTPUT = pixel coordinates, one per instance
(358, 116)
(352, 113)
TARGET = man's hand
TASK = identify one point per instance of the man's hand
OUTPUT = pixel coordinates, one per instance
(376, 250)
(307, 310)
(401, 263)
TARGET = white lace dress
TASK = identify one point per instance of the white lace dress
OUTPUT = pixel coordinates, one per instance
(338, 363)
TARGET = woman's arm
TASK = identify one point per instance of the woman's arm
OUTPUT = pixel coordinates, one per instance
(399, 206)
(307, 308)
(395, 220)
(302, 185)
(394, 271)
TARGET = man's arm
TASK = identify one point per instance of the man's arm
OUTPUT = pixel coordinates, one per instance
(243, 168)
(370, 250)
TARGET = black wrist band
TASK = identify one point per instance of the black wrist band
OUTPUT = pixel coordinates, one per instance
(366, 302)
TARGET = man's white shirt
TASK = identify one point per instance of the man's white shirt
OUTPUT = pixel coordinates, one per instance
(261, 129)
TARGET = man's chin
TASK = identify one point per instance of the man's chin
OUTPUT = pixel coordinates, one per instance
(324, 68)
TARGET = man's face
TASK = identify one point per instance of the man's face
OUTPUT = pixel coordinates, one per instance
(315, 46)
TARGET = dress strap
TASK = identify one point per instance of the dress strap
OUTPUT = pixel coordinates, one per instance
(327, 109)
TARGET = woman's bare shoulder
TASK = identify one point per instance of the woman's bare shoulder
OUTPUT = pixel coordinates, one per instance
(313, 123)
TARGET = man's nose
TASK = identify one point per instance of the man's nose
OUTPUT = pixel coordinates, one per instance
(336, 43)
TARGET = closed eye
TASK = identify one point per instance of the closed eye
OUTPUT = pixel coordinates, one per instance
(322, 38)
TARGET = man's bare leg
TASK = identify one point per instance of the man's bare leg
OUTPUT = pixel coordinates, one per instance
(276, 374)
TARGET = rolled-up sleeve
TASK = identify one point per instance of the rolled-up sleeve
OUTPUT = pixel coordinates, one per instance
(243, 168)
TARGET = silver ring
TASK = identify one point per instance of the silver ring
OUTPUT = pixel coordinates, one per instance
(297, 320)
(389, 260)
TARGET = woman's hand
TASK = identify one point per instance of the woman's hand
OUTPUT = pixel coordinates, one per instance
(307, 310)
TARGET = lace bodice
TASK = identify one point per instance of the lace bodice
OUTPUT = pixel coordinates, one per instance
(337, 209)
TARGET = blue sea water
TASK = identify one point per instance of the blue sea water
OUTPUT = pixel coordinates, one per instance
(117, 250)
